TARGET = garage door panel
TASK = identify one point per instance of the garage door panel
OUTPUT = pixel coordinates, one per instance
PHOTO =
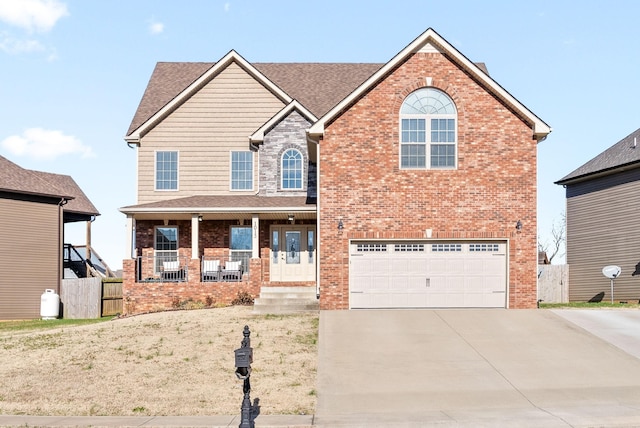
(428, 275)
(455, 284)
(492, 264)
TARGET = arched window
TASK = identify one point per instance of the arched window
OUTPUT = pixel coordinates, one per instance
(292, 170)
(428, 136)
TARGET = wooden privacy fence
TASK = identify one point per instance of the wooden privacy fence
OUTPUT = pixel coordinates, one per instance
(84, 298)
(111, 297)
(553, 283)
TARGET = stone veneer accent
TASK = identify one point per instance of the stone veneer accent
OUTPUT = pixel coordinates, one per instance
(289, 133)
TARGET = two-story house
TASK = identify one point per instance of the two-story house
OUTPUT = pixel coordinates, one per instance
(405, 184)
(602, 196)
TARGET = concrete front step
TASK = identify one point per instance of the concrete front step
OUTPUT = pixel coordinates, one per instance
(282, 300)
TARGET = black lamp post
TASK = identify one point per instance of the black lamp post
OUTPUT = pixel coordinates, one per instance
(244, 358)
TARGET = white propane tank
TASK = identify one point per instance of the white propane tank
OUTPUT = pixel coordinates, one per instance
(49, 305)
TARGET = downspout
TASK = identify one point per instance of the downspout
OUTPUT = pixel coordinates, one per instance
(318, 235)
(62, 203)
(254, 147)
(88, 239)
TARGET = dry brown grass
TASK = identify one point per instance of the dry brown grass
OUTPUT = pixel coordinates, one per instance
(167, 363)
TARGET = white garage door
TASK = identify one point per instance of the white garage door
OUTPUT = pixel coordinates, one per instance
(428, 274)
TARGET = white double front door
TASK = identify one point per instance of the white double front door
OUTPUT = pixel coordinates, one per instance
(293, 253)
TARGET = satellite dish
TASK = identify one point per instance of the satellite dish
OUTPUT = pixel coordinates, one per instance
(611, 272)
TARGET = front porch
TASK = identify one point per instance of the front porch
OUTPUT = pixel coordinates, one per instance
(211, 261)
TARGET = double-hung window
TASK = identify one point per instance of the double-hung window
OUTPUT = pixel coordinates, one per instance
(241, 245)
(167, 170)
(428, 131)
(241, 170)
(166, 245)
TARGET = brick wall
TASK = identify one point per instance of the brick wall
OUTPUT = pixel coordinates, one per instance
(492, 188)
(139, 297)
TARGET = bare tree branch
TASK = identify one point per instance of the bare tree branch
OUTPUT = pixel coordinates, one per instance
(558, 238)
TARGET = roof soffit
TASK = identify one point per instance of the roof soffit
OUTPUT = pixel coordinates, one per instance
(430, 41)
(198, 84)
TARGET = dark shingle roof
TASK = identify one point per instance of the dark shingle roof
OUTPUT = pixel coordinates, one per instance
(317, 86)
(226, 202)
(625, 152)
(15, 179)
(80, 203)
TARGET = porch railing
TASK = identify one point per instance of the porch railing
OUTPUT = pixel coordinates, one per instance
(162, 268)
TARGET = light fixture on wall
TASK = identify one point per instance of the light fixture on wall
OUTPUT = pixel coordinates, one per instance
(519, 226)
(340, 225)
(291, 218)
(199, 218)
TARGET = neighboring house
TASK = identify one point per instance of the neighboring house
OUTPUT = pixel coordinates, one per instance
(405, 184)
(603, 198)
(543, 259)
(34, 206)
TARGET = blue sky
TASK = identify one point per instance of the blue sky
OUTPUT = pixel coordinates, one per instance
(73, 71)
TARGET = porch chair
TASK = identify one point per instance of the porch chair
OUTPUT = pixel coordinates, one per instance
(232, 271)
(210, 270)
(171, 271)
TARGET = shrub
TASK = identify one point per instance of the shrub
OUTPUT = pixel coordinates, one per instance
(175, 302)
(242, 299)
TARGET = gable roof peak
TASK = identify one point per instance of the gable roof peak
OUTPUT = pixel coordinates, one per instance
(431, 41)
(134, 135)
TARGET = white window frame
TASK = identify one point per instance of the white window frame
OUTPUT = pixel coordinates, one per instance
(231, 180)
(243, 255)
(282, 170)
(435, 111)
(155, 170)
(164, 255)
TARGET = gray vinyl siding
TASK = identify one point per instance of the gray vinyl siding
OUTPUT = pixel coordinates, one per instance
(602, 229)
(29, 256)
(204, 130)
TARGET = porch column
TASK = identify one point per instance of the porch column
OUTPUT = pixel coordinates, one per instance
(195, 233)
(88, 243)
(129, 241)
(255, 241)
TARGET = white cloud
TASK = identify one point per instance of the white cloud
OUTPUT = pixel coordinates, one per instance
(12, 46)
(45, 144)
(156, 27)
(32, 15)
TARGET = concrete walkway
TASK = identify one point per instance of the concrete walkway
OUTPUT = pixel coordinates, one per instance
(446, 368)
(515, 368)
(151, 421)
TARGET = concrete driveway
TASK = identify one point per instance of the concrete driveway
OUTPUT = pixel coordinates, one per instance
(515, 368)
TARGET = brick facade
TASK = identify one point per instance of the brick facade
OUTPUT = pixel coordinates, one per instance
(149, 296)
(493, 186)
